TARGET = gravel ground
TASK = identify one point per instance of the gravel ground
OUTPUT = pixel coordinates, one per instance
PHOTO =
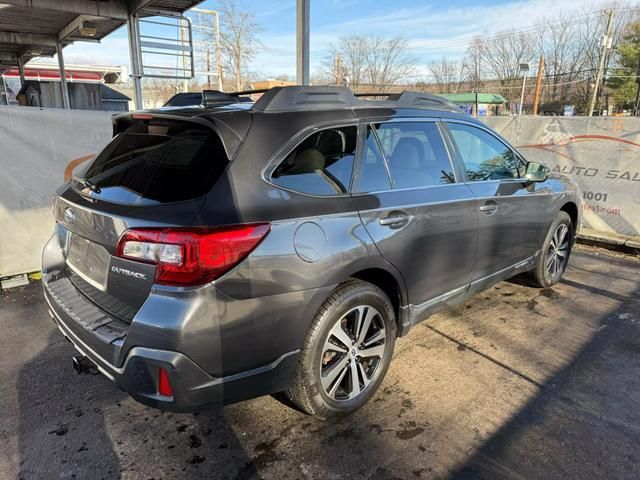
(516, 383)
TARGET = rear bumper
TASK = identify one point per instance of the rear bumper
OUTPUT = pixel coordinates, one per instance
(192, 387)
(215, 348)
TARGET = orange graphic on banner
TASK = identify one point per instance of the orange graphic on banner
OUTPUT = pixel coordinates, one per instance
(73, 164)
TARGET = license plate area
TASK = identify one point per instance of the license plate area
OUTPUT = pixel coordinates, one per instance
(88, 260)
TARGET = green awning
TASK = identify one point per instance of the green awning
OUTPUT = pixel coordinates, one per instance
(490, 98)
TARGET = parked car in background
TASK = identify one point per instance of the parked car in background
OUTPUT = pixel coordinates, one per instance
(229, 250)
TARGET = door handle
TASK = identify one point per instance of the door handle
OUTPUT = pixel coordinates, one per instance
(489, 208)
(395, 220)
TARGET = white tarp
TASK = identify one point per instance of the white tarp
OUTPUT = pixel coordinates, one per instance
(601, 154)
(35, 147)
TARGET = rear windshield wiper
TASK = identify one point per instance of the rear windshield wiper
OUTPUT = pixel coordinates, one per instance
(86, 183)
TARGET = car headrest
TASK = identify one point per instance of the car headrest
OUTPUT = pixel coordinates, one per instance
(307, 161)
(408, 154)
(331, 143)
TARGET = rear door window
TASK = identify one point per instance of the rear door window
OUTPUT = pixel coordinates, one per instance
(321, 165)
(374, 176)
(415, 154)
(162, 162)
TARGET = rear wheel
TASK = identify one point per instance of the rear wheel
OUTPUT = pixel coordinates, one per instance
(556, 249)
(347, 351)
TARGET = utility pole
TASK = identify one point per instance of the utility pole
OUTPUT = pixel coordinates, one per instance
(208, 69)
(338, 70)
(606, 44)
(218, 50)
(536, 95)
(636, 109)
(524, 68)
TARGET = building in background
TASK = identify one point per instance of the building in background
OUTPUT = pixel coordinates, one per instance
(88, 88)
(479, 104)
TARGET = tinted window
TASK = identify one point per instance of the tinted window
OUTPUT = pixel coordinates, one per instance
(484, 156)
(415, 153)
(373, 174)
(162, 162)
(321, 165)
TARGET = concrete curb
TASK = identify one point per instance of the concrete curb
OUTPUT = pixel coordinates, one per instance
(613, 241)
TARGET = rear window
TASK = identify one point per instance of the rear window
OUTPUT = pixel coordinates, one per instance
(163, 162)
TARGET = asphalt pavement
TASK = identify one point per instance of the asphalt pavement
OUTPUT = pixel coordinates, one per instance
(517, 383)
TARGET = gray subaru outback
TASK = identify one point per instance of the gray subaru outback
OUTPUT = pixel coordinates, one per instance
(219, 252)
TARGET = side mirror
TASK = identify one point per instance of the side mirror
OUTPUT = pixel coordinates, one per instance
(536, 172)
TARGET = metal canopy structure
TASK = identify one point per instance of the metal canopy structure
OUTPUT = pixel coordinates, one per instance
(37, 28)
(42, 28)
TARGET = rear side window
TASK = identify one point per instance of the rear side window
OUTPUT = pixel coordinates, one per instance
(162, 162)
(484, 156)
(321, 165)
(415, 153)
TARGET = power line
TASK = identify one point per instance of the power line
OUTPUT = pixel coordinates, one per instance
(468, 40)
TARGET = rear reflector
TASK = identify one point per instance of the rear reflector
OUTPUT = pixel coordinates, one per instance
(191, 256)
(164, 387)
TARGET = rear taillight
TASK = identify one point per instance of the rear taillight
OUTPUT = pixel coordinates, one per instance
(191, 256)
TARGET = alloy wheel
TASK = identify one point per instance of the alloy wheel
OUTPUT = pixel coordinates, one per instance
(353, 353)
(558, 252)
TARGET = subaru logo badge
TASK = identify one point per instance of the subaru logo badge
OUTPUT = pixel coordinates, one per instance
(69, 216)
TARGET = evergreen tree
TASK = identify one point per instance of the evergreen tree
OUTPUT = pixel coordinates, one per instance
(623, 79)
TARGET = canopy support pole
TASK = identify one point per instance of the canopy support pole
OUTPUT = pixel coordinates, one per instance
(63, 78)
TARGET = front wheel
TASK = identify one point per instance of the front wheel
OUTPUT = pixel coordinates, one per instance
(556, 249)
(347, 351)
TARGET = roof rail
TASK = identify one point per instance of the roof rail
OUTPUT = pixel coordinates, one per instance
(422, 99)
(212, 98)
(305, 98)
(281, 99)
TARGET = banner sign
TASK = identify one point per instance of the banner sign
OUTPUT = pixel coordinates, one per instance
(601, 154)
(36, 145)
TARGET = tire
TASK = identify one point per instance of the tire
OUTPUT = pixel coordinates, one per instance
(553, 260)
(323, 384)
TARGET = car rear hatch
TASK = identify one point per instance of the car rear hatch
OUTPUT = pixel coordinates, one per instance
(155, 173)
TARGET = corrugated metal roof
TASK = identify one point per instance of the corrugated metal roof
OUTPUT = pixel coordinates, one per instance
(30, 28)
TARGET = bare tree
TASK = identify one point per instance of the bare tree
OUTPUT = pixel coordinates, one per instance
(387, 62)
(370, 61)
(503, 53)
(471, 70)
(569, 43)
(447, 75)
(239, 40)
(158, 90)
(348, 56)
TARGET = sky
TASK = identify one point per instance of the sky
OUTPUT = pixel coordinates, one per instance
(432, 28)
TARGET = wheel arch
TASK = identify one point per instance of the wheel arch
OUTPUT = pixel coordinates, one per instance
(572, 210)
(393, 287)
